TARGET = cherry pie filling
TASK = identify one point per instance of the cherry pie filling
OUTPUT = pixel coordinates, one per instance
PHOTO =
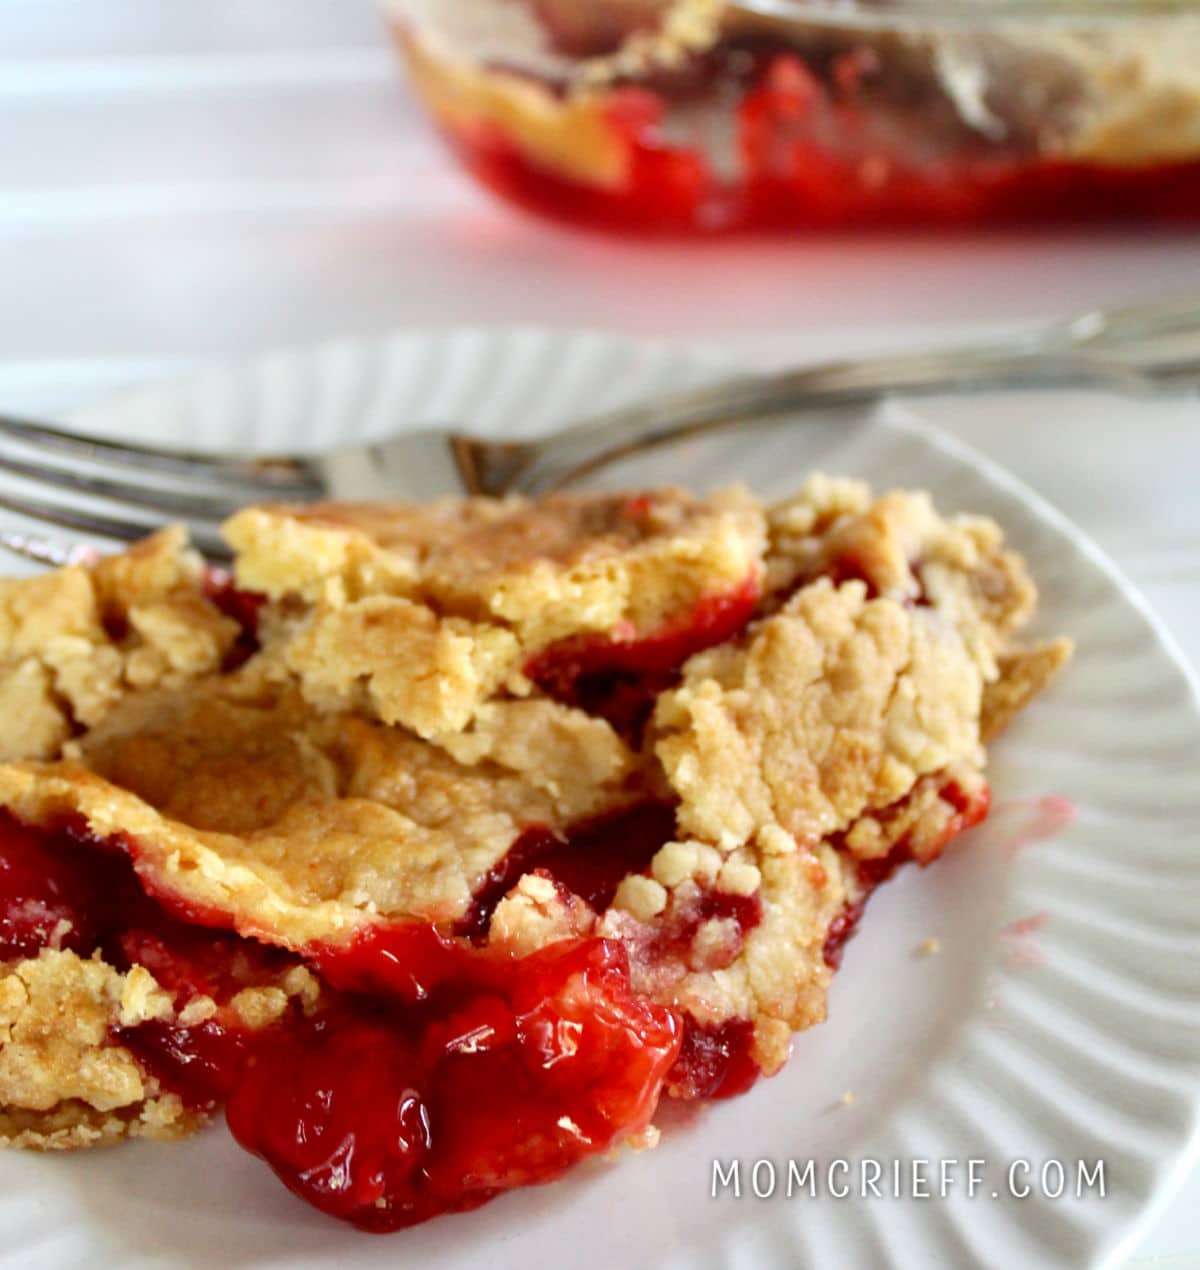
(244, 607)
(617, 676)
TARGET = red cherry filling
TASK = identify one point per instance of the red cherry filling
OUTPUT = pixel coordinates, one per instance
(335, 1109)
(244, 607)
(617, 677)
(506, 1074)
(406, 961)
(44, 898)
(200, 1063)
(386, 1119)
(744, 910)
(590, 859)
(190, 961)
(714, 1061)
(842, 930)
(583, 1066)
(50, 879)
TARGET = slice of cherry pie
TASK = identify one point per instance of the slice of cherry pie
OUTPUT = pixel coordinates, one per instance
(440, 844)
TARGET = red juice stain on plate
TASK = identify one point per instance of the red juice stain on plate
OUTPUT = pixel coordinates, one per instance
(1021, 950)
(1018, 824)
(1044, 818)
(1023, 926)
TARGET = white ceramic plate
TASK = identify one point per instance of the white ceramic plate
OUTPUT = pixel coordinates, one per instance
(1058, 1021)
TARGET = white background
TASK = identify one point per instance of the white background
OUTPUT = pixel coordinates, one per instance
(185, 179)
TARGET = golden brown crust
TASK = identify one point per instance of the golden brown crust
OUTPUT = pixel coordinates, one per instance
(421, 615)
(568, 565)
(836, 704)
(1023, 674)
(401, 662)
(75, 642)
(63, 1081)
(905, 551)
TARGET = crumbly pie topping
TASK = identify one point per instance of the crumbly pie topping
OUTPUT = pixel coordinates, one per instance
(836, 704)
(624, 765)
(567, 565)
(74, 643)
(55, 1015)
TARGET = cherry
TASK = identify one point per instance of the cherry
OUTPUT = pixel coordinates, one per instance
(711, 620)
(714, 1061)
(385, 1117)
(200, 1063)
(44, 896)
(336, 1109)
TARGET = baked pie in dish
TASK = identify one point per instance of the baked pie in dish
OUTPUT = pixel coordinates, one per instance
(441, 845)
(718, 116)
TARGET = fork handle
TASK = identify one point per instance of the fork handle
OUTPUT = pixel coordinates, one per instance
(1129, 350)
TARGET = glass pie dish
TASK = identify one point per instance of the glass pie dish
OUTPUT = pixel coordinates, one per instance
(708, 116)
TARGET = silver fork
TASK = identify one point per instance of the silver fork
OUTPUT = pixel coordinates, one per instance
(121, 491)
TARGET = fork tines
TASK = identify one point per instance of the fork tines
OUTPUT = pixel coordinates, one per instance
(124, 490)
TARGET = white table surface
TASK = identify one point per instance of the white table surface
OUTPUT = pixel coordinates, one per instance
(183, 180)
